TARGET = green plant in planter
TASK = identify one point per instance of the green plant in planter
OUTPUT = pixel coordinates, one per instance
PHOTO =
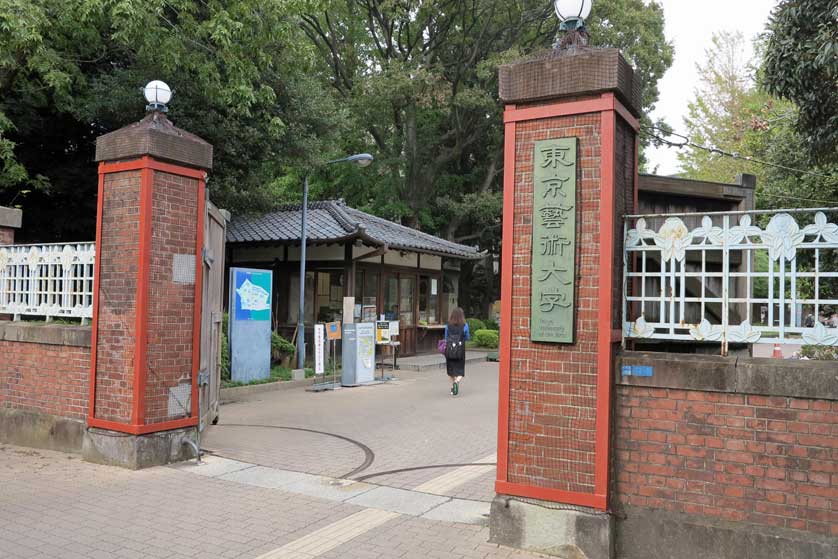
(281, 349)
(486, 338)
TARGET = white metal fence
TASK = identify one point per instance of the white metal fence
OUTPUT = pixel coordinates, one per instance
(738, 277)
(52, 280)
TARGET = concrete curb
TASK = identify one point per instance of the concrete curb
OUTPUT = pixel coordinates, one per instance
(237, 393)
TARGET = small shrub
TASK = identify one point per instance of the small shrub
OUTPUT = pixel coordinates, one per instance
(819, 352)
(487, 338)
(475, 324)
(280, 347)
(492, 324)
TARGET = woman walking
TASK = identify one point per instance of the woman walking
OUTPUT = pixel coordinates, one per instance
(456, 336)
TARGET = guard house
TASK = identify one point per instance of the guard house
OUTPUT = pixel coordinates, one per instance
(391, 270)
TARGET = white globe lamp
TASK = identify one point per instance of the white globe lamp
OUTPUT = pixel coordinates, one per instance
(158, 94)
(572, 13)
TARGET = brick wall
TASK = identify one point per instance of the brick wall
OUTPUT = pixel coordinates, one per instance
(116, 330)
(171, 304)
(42, 378)
(766, 460)
(552, 407)
(553, 388)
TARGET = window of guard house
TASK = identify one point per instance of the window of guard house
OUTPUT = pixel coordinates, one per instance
(428, 300)
(329, 303)
(366, 295)
(433, 302)
(391, 298)
(424, 287)
(323, 297)
(294, 298)
(406, 303)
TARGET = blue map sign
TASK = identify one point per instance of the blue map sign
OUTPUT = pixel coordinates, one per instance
(250, 323)
(253, 295)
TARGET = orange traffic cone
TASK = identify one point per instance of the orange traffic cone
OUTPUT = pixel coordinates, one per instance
(778, 353)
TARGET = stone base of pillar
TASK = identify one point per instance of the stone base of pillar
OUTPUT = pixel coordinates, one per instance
(138, 451)
(541, 527)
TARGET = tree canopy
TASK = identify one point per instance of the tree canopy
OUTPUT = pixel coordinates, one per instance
(801, 65)
(70, 70)
(733, 114)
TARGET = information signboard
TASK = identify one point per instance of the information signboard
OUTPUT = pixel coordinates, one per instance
(319, 346)
(250, 323)
(332, 331)
(382, 332)
(553, 241)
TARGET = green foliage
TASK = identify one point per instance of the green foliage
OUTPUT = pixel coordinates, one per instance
(475, 324)
(486, 338)
(801, 64)
(821, 353)
(280, 347)
(226, 371)
(731, 112)
(71, 70)
(419, 80)
(492, 324)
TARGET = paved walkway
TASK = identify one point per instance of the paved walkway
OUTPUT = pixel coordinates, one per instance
(275, 492)
(53, 505)
(400, 434)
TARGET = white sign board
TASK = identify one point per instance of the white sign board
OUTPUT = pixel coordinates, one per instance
(394, 328)
(319, 345)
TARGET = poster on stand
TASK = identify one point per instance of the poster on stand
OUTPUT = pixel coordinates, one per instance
(382, 332)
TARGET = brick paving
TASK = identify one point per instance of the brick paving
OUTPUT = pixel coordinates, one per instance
(407, 424)
(53, 505)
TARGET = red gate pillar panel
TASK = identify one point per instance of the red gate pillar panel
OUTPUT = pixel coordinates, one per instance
(174, 267)
(116, 260)
(146, 319)
(555, 398)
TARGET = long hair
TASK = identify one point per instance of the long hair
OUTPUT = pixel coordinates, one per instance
(457, 318)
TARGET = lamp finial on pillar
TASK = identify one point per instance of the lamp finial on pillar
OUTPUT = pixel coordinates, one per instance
(572, 15)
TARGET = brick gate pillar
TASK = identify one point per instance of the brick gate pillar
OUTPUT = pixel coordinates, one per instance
(569, 175)
(147, 301)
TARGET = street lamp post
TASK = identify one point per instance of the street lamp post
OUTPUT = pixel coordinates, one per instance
(362, 160)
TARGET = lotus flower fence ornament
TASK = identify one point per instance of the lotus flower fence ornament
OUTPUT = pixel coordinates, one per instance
(726, 279)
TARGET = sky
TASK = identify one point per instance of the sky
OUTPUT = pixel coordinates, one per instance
(689, 26)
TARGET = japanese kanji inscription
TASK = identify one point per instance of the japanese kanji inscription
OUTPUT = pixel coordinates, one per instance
(554, 241)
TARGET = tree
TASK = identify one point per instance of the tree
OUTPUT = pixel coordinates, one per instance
(732, 114)
(724, 111)
(801, 65)
(420, 80)
(71, 70)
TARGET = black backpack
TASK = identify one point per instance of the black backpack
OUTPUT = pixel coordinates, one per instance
(455, 346)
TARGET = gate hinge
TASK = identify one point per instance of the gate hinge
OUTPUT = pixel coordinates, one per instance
(207, 256)
(203, 378)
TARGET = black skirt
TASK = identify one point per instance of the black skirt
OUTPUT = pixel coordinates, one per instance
(455, 367)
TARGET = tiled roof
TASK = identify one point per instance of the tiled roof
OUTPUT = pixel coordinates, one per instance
(333, 221)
